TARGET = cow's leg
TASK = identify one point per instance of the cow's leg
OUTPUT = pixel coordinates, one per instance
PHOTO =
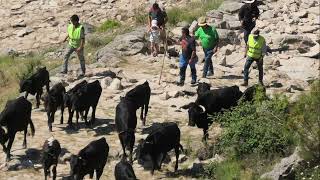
(93, 116)
(26, 95)
(49, 114)
(70, 118)
(122, 144)
(24, 145)
(132, 140)
(77, 118)
(62, 111)
(145, 113)
(11, 138)
(48, 86)
(85, 117)
(141, 114)
(205, 134)
(162, 159)
(176, 149)
(99, 172)
(45, 172)
(54, 172)
(154, 163)
(38, 100)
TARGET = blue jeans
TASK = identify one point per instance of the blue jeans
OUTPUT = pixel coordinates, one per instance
(208, 67)
(249, 61)
(183, 64)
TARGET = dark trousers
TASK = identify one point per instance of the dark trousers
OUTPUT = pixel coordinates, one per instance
(208, 67)
(249, 61)
(247, 31)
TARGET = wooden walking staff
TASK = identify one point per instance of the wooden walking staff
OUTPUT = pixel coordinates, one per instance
(164, 56)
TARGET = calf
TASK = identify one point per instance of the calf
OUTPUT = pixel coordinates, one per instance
(250, 92)
(91, 158)
(35, 83)
(50, 155)
(126, 122)
(52, 101)
(158, 144)
(202, 88)
(211, 102)
(140, 95)
(124, 171)
(68, 101)
(87, 96)
(16, 116)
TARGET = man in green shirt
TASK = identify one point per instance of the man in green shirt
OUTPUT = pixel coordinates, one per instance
(76, 43)
(209, 40)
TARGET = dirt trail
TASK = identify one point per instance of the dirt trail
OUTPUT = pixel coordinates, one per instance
(72, 141)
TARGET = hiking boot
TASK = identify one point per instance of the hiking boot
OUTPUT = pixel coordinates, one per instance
(193, 82)
(63, 72)
(180, 83)
(210, 74)
(245, 83)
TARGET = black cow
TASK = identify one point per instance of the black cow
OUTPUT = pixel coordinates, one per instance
(91, 158)
(126, 123)
(211, 102)
(35, 83)
(140, 95)
(16, 116)
(51, 150)
(202, 88)
(249, 93)
(52, 101)
(68, 102)
(158, 144)
(124, 171)
(87, 96)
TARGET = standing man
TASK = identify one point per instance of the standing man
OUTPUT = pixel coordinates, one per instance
(209, 40)
(188, 57)
(255, 50)
(248, 15)
(76, 44)
(156, 13)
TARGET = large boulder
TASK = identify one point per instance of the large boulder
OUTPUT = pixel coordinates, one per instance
(284, 169)
(228, 37)
(230, 6)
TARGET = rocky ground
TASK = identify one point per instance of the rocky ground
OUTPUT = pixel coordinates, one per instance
(291, 28)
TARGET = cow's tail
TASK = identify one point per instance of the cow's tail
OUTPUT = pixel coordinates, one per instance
(32, 127)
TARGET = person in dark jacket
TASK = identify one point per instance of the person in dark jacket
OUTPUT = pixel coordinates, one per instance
(248, 15)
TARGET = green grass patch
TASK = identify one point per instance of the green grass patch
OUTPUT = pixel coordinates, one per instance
(192, 11)
(109, 25)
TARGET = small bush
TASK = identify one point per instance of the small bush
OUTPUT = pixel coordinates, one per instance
(259, 128)
(97, 42)
(109, 25)
(306, 121)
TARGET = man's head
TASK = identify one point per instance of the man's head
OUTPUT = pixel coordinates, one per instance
(202, 22)
(74, 19)
(185, 32)
(155, 6)
(256, 33)
(251, 2)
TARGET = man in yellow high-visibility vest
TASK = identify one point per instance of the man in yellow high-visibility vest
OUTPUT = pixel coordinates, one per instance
(255, 50)
(76, 39)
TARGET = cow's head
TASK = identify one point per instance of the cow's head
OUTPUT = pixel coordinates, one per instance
(144, 151)
(77, 165)
(196, 113)
(3, 137)
(25, 85)
(202, 88)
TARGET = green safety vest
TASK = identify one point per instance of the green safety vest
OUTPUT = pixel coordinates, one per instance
(255, 47)
(74, 35)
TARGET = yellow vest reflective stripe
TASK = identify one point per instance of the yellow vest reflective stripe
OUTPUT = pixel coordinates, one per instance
(74, 35)
(255, 47)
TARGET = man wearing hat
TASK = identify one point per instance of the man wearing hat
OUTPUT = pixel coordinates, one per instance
(255, 50)
(209, 40)
(248, 15)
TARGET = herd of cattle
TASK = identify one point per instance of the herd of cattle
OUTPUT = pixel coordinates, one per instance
(16, 116)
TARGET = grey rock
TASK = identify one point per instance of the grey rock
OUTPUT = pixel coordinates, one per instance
(116, 84)
(284, 169)
(25, 32)
(267, 15)
(196, 167)
(215, 14)
(301, 14)
(228, 37)
(88, 28)
(106, 82)
(230, 6)
(164, 96)
(108, 56)
(234, 25)
(275, 84)
(18, 23)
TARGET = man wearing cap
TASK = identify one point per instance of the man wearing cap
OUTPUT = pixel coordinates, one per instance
(76, 44)
(255, 50)
(248, 15)
(209, 40)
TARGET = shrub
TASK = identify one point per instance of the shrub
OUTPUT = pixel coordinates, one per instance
(97, 42)
(259, 128)
(306, 121)
(109, 25)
